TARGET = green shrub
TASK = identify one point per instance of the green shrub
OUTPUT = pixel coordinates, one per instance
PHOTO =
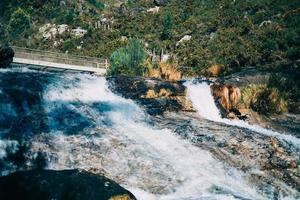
(265, 99)
(270, 101)
(249, 94)
(168, 24)
(97, 4)
(293, 53)
(19, 23)
(289, 89)
(129, 60)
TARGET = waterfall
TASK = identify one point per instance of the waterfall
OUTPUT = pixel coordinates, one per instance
(152, 163)
(203, 101)
(89, 127)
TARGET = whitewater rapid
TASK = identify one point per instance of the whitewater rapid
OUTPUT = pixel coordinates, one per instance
(203, 101)
(79, 123)
(152, 163)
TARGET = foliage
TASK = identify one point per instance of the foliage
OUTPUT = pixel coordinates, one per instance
(250, 94)
(165, 70)
(129, 60)
(288, 87)
(97, 3)
(231, 34)
(167, 26)
(282, 93)
(270, 101)
(19, 22)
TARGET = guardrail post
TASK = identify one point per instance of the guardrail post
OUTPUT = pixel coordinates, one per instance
(106, 64)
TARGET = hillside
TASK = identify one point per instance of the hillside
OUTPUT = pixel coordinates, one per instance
(229, 33)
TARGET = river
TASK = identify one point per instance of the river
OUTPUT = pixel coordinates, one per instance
(75, 121)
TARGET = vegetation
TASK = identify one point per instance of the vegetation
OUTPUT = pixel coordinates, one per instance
(97, 3)
(163, 70)
(281, 94)
(226, 36)
(167, 26)
(226, 33)
(19, 23)
(129, 60)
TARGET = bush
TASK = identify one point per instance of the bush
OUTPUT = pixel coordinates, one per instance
(129, 60)
(166, 71)
(270, 101)
(97, 4)
(19, 23)
(288, 86)
(250, 94)
(168, 24)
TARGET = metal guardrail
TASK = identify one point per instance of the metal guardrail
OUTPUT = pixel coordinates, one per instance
(62, 58)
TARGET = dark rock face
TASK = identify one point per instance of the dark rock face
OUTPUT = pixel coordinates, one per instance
(6, 56)
(155, 95)
(60, 185)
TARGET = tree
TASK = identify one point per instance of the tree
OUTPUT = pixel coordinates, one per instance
(128, 60)
(19, 22)
(3, 34)
(97, 4)
(168, 24)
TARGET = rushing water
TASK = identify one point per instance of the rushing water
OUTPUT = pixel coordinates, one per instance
(80, 123)
(202, 99)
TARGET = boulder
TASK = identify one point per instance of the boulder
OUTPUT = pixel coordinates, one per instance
(227, 98)
(156, 95)
(153, 10)
(6, 56)
(60, 185)
(184, 39)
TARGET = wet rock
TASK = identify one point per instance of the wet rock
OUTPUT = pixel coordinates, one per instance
(6, 56)
(64, 185)
(155, 95)
(273, 163)
(227, 98)
(279, 158)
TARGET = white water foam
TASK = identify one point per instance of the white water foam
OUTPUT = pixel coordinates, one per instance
(150, 162)
(204, 103)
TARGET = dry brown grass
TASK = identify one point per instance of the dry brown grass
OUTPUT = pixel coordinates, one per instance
(165, 71)
(150, 94)
(263, 99)
(213, 71)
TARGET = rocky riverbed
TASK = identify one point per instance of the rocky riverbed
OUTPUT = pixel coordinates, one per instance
(157, 139)
(267, 160)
